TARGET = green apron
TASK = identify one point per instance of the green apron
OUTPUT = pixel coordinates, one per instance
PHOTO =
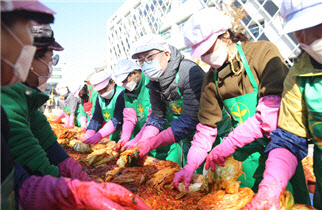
(108, 112)
(252, 155)
(8, 201)
(89, 107)
(241, 108)
(79, 113)
(178, 152)
(175, 151)
(311, 88)
(141, 103)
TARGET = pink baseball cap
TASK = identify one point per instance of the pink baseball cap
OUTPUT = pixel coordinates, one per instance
(100, 80)
(202, 29)
(30, 9)
(30, 5)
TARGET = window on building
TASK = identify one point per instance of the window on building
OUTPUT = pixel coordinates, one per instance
(186, 50)
(256, 29)
(182, 24)
(52, 84)
(55, 76)
(152, 7)
(167, 34)
(271, 8)
(57, 69)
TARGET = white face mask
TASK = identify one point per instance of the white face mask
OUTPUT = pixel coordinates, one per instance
(109, 94)
(23, 63)
(153, 70)
(43, 79)
(314, 49)
(63, 91)
(130, 86)
(217, 58)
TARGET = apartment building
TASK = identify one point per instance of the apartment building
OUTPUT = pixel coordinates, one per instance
(166, 17)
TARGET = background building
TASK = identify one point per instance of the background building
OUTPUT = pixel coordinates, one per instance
(57, 76)
(167, 17)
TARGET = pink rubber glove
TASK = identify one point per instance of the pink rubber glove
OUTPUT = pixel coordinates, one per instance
(59, 117)
(200, 146)
(263, 122)
(88, 134)
(138, 136)
(96, 138)
(44, 193)
(163, 138)
(72, 169)
(102, 133)
(145, 132)
(70, 122)
(279, 168)
(129, 122)
(66, 122)
(133, 142)
(83, 122)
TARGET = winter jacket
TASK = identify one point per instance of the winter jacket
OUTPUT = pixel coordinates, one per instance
(293, 124)
(267, 66)
(30, 134)
(166, 89)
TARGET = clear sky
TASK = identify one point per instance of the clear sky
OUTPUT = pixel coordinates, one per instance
(80, 27)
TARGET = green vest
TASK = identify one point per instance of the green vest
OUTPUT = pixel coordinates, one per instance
(311, 89)
(140, 103)
(79, 113)
(173, 152)
(178, 152)
(91, 100)
(108, 111)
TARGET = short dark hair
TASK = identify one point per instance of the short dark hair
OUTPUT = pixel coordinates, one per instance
(41, 52)
(235, 37)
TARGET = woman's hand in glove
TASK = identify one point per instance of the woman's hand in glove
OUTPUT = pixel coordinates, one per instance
(44, 193)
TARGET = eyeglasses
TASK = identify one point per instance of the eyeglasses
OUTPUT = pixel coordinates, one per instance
(148, 59)
(55, 59)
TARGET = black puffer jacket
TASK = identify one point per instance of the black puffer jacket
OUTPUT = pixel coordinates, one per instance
(166, 89)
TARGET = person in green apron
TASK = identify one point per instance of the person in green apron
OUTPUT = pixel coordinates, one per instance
(88, 99)
(300, 114)
(19, 190)
(108, 115)
(32, 142)
(174, 88)
(72, 109)
(245, 78)
(15, 44)
(136, 97)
